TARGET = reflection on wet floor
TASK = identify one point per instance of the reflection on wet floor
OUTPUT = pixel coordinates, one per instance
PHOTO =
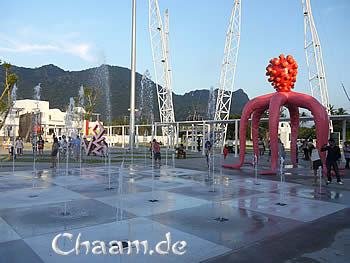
(224, 210)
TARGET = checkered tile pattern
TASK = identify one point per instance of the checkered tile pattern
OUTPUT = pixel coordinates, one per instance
(129, 203)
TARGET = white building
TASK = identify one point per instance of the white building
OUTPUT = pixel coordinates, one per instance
(51, 121)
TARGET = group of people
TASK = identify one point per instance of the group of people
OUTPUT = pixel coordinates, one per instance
(63, 147)
(333, 156)
(15, 148)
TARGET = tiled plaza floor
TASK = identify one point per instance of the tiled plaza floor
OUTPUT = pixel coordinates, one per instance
(227, 216)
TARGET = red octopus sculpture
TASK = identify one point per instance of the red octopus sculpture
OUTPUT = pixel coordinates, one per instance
(282, 73)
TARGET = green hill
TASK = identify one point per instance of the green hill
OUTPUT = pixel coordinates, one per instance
(58, 85)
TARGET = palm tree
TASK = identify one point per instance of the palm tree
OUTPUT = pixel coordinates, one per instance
(340, 111)
(5, 105)
(331, 109)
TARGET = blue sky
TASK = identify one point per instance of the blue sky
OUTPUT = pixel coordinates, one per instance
(79, 34)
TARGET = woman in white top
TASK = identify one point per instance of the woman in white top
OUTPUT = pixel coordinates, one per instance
(316, 161)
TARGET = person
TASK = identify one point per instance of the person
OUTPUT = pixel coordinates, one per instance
(181, 151)
(315, 161)
(310, 146)
(156, 151)
(41, 143)
(19, 146)
(63, 146)
(281, 150)
(11, 150)
(198, 144)
(261, 146)
(207, 147)
(305, 150)
(346, 150)
(54, 152)
(230, 146)
(70, 146)
(105, 148)
(85, 143)
(34, 144)
(225, 151)
(77, 147)
(333, 155)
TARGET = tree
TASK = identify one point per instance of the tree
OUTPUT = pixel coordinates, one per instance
(340, 111)
(305, 132)
(5, 98)
(337, 125)
(331, 109)
(91, 95)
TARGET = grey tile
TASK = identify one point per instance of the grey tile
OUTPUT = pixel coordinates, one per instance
(38, 220)
(103, 190)
(28, 197)
(139, 204)
(243, 226)
(316, 193)
(296, 208)
(214, 193)
(6, 232)
(18, 251)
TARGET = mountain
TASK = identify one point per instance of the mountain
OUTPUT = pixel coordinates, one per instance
(58, 85)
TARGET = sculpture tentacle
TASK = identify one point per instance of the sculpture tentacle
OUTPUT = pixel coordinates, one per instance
(294, 122)
(320, 117)
(255, 129)
(249, 108)
(276, 102)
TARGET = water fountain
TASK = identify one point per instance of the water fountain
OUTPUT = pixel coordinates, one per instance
(81, 102)
(145, 103)
(13, 125)
(220, 218)
(255, 165)
(211, 104)
(145, 100)
(119, 208)
(319, 172)
(70, 132)
(35, 122)
(153, 200)
(213, 163)
(69, 129)
(103, 81)
(282, 181)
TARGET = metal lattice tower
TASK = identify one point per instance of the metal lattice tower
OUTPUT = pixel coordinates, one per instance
(228, 70)
(160, 52)
(314, 59)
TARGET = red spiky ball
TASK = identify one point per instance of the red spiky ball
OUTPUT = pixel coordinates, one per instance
(283, 73)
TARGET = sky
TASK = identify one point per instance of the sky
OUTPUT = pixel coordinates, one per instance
(80, 34)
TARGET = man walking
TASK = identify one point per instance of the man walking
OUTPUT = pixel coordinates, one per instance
(333, 155)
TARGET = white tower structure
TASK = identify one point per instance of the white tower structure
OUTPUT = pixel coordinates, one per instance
(160, 53)
(314, 59)
(228, 70)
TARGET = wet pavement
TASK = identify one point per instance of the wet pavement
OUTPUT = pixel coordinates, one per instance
(224, 216)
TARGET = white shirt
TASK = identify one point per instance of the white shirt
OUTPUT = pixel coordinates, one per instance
(315, 155)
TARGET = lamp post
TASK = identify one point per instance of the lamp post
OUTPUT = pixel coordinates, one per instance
(133, 78)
